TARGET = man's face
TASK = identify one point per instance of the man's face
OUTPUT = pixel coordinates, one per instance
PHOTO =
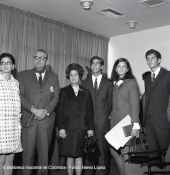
(153, 62)
(96, 66)
(40, 60)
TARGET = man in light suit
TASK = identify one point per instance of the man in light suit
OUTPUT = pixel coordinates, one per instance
(39, 90)
(157, 91)
(101, 90)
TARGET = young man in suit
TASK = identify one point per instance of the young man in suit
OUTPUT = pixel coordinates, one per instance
(157, 91)
(101, 90)
(39, 90)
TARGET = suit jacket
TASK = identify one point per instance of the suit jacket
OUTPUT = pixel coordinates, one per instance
(75, 111)
(157, 98)
(32, 94)
(102, 102)
(125, 102)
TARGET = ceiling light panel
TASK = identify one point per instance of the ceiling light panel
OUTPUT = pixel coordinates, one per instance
(111, 13)
(153, 3)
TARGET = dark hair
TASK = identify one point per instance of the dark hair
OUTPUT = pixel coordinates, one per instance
(155, 52)
(97, 58)
(76, 67)
(44, 51)
(115, 76)
(3, 55)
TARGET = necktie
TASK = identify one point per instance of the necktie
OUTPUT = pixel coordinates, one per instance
(40, 79)
(95, 85)
(153, 77)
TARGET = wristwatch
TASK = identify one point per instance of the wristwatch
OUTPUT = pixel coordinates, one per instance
(47, 114)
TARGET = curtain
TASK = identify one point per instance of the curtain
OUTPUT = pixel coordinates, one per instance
(22, 33)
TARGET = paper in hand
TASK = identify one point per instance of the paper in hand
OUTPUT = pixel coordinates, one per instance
(116, 136)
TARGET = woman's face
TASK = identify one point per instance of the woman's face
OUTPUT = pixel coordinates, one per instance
(6, 65)
(122, 69)
(74, 77)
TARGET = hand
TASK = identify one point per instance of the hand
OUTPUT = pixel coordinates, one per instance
(135, 133)
(43, 115)
(90, 133)
(40, 114)
(36, 112)
(62, 133)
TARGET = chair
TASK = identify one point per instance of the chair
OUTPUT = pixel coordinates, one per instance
(144, 159)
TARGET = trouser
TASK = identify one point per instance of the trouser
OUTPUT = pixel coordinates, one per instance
(158, 138)
(36, 139)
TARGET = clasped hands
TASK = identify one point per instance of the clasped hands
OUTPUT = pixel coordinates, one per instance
(40, 114)
(62, 133)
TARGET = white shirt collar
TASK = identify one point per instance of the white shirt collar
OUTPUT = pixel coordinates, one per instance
(42, 74)
(118, 83)
(99, 77)
(156, 71)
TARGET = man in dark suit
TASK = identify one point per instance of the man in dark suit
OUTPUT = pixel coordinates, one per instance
(39, 90)
(157, 91)
(101, 90)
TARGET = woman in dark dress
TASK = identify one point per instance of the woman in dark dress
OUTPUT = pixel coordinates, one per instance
(75, 119)
(125, 102)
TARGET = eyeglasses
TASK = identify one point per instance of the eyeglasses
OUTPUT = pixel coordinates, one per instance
(6, 63)
(37, 58)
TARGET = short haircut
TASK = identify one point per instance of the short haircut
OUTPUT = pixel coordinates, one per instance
(10, 56)
(76, 67)
(152, 51)
(97, 58)
(42, 50)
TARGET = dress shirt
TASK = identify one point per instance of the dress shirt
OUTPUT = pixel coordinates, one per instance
(42, 74)
(156, 72)
(99, 77)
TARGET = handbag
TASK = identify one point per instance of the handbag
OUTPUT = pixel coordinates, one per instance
(91, 149)
(136, 149)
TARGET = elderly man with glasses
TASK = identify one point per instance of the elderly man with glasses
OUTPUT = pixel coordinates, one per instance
(39, 95)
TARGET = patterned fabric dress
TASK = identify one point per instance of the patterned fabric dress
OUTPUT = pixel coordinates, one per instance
(10, 115)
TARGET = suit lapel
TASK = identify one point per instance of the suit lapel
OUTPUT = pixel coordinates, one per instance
(159, 76)
(102, 83)
(45, 78)
(90, 82)
(72, 94)
(80, 94)
(34, 77)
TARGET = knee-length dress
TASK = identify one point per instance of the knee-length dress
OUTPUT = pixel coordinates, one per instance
(75, 115)
(10, 115)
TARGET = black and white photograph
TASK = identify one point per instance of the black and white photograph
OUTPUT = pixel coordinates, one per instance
(84, 87)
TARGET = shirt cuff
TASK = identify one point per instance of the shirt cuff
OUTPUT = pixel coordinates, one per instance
(136, 126)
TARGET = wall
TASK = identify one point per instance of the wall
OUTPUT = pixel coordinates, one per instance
(133, 46)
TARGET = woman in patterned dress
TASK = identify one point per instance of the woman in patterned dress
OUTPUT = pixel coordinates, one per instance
(10, 114)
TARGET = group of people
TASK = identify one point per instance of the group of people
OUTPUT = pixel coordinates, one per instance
(85, 108)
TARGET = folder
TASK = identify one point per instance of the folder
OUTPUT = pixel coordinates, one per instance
(116, 136)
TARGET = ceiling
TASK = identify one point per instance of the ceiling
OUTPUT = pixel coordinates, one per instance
(70, 12)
